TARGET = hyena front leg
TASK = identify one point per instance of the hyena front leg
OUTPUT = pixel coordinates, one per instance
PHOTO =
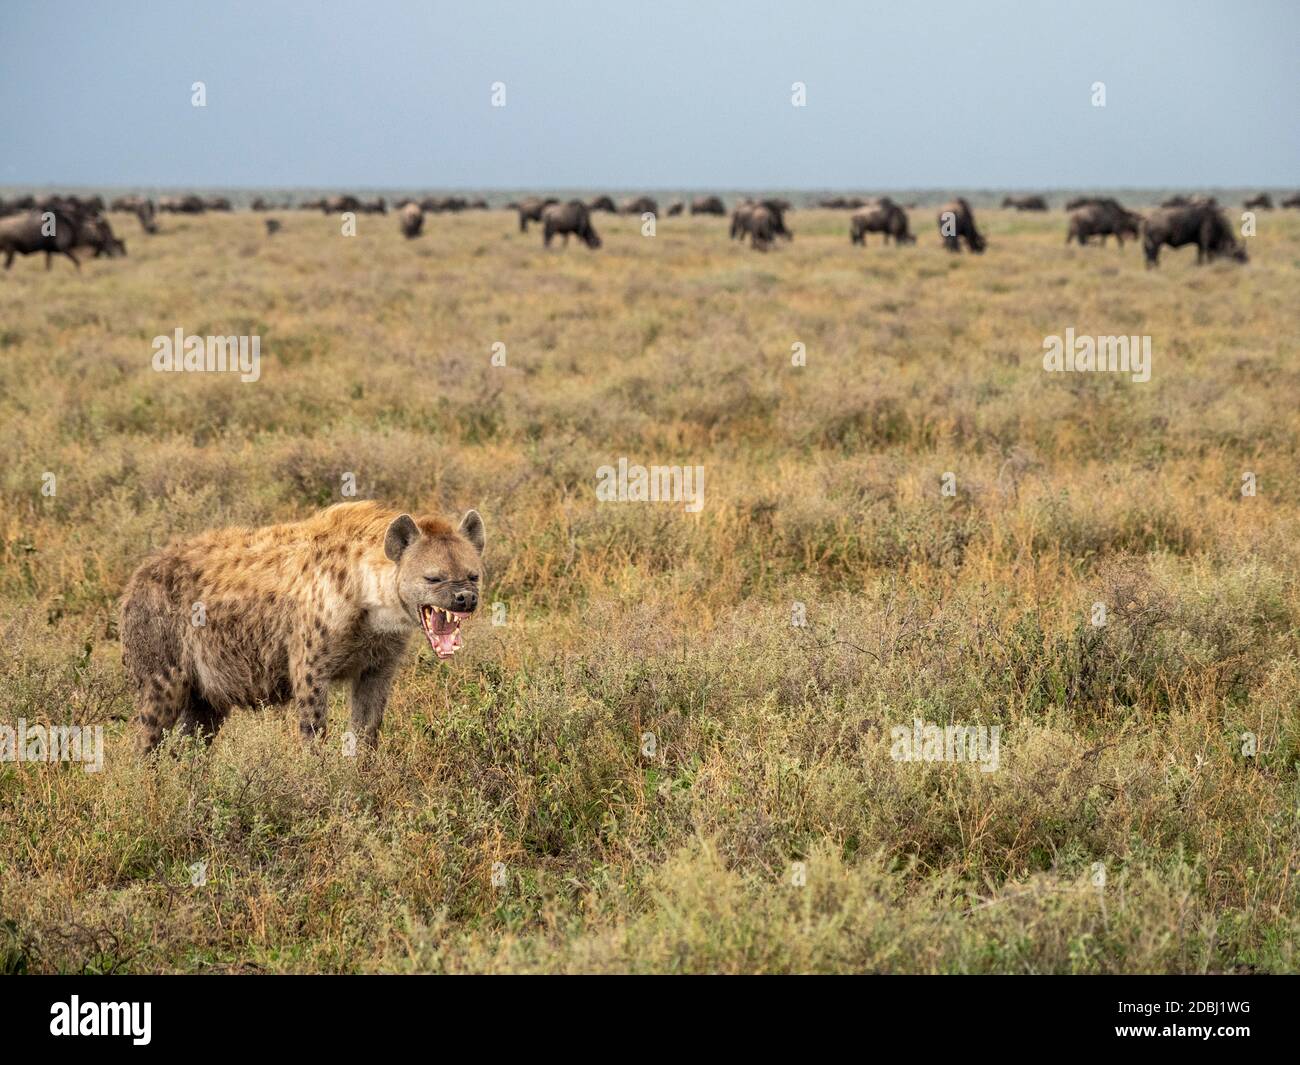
(370, 691)
(310, 686)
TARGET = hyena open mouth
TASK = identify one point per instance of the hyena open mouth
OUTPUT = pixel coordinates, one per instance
(442, 628)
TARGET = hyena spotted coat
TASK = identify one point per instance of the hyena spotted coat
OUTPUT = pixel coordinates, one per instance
(238, 617)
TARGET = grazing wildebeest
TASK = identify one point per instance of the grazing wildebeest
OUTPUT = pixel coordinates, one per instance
(1025, 203)
(640, 205)
(94, 232)
(565, 218)
(378, 206)
(957, 223)
(411, 220)
(340, 204)
(182, 205)
(141, 207)
(602, 203)
(1200, 223)
(68, 202)
(675, 208)
(272, 226)
(762, 221)
(530, 210)
(17, 205)
(740, 218)
(217, 203)
(840, 203)
(708, 205)
(1292, 201)
(1262, 201)
(444, 204)
(479, 205)
(884, 216)
(54, 232)
(1102, 217)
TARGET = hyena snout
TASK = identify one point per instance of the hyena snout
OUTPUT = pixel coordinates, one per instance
(466, 600)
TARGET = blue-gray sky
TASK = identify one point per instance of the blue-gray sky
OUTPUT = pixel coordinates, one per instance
(651, 94)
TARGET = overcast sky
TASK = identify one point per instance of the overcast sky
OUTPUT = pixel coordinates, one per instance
(651, 94)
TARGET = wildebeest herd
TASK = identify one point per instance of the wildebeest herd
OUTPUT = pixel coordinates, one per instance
(66, 224)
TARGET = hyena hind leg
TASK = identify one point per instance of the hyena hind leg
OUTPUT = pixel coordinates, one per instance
(200, 718)
(160, 699)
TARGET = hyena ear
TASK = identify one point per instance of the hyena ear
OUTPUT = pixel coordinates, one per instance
(401, 534)
(471, 527)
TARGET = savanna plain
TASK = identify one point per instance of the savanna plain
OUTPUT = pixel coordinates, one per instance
(1143, 816)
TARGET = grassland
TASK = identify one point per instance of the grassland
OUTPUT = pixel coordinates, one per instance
(1122, 745)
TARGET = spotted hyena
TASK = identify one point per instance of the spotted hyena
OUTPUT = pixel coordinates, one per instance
(238, 617)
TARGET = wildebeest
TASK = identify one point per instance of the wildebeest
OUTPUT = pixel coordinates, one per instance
(530, 210)
(340, 204)
(1102, 217)
(272, 226)
(312, 205)
(840, 203)
(411, 220)
(1025, 203)
(259, 203)
(70, 202)
(1292, 201)
(378, 206)
(1201, 223)
(1263, 200)
(1176, 201)
(708, 205)
(762, 221)
(94, 232)
(957, 223)
(182, 205)
(444, 204)
(675, 208)
(217, 203)
(54, 232)
(639, 205)
(140, 206)
(883, 216)
(565, 218)
(17, 205)
(602, 203)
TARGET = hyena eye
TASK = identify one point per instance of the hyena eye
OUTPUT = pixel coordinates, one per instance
(474, 577)
(435, 580)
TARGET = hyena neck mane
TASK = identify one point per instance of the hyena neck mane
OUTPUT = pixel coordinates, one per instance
(380, 604)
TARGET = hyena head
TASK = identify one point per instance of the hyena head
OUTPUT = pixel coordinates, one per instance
(437, 574)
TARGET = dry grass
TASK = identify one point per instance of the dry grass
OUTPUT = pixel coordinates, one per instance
(1121, 745)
